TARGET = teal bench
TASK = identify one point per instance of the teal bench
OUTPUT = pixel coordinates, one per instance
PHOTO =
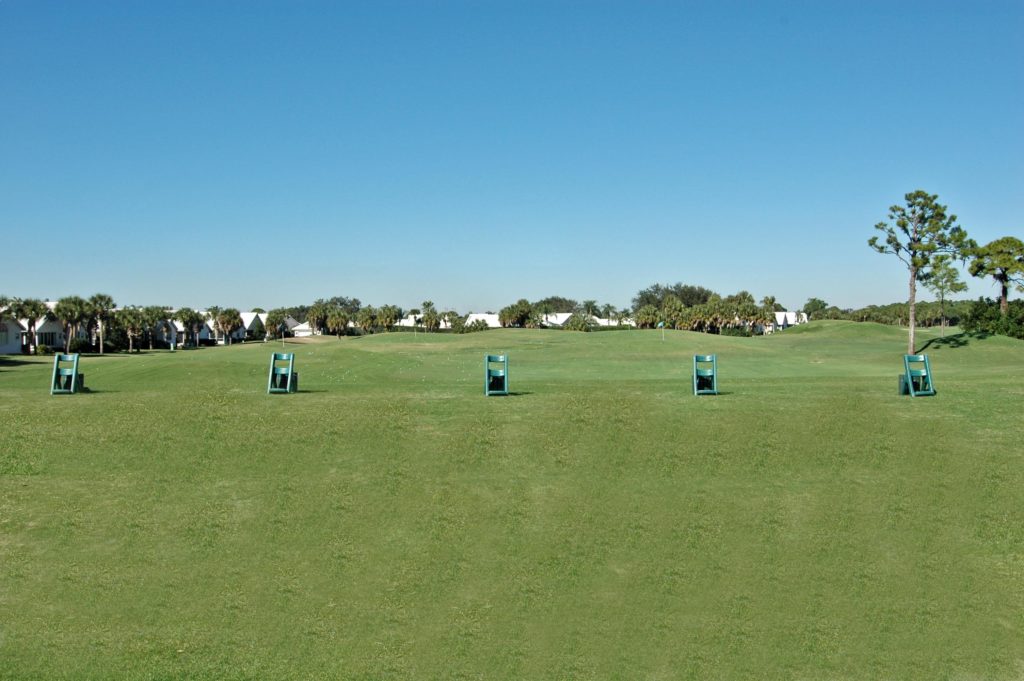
(916, 379)
(705, 375)
(66, 380)
(495, 375)
(283, 377)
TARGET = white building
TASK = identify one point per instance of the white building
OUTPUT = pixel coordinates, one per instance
(10, 335)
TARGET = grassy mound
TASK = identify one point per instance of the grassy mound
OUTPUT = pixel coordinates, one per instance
(388, 521)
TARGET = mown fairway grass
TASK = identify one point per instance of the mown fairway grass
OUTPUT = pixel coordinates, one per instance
(391, 522)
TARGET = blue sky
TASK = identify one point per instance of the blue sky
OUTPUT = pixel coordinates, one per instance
(472, 153)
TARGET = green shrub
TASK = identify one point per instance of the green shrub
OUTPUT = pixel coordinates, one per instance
(985, 317)
(79, 345)
(579, 321)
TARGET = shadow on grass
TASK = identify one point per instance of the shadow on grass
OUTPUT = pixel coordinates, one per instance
(10, 361)
(958, 340)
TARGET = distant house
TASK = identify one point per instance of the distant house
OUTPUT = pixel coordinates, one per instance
(252, 322)
(409, 322)
(10, 335)
(784, 320)
(183, 335)
(49, 331)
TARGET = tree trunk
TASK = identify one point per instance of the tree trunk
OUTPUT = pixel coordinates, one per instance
(1004, 306)
(912, 321)
(101, 336)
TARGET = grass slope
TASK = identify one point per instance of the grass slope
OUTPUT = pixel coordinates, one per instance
(390, 522)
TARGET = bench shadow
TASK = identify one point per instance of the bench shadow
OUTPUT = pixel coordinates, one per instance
(957, 340)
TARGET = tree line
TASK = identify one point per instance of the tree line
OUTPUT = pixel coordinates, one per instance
(920, 233)
(109, 328)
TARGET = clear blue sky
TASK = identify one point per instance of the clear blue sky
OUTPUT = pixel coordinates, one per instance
(472, 153)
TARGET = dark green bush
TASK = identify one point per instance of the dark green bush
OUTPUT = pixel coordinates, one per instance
(579, 321)
(985, 317)
(79, 345)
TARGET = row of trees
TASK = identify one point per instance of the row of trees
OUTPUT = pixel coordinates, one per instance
(927, 239)
(525, 314)
(335, 315)
(929, 314)
(74, 313)
(678, 306)
(99, 317)
(715, 315)
(920, 233)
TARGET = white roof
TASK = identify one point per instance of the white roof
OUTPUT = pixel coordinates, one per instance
(490, 319)
(248, 317)
(557, 318)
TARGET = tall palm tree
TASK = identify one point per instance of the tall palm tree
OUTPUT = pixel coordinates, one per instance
(229, 319)
(647, 316)
(191, 320)
(542, 309)
(337, 321)
(366, 318)
(31, 310)
(317, 315)
(72, 312)
(451, 317)
(431, 319)
(276, 324)
(102, 305)
(212, 313)
(131, 320)
(673, 312)
(388, 315)
(155, 318)
(589, 307)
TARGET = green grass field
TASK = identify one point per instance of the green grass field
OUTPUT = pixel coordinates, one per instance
(389, 521)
